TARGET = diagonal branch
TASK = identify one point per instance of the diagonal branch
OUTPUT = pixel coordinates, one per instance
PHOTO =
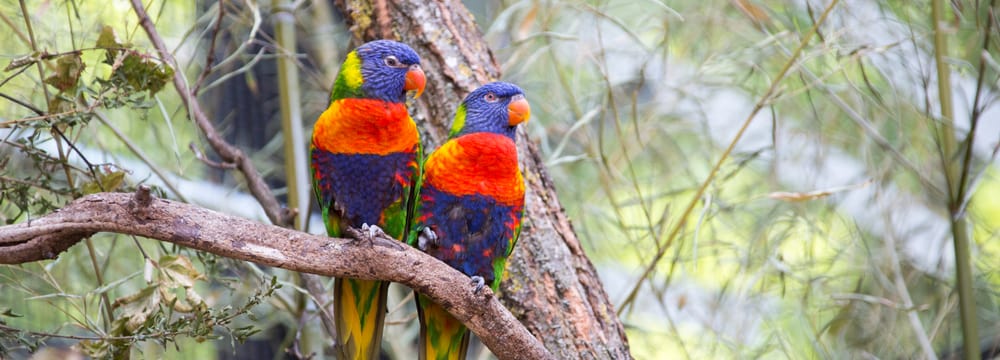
(229, 153)
(210, 58)
(206, 230)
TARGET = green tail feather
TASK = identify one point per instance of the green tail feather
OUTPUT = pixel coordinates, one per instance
(359, 307)
(442, 337)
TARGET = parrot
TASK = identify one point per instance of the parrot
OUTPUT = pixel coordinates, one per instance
(365, 158)
(470, 200)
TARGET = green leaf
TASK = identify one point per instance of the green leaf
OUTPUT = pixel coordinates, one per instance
(53, 296)
(105, 182)
(9, 313)
(109, 39)
(177, 270)
(115, 283)
(243, 333)
(178, 273)
(68, 70)
(94, 349)
(137, 307)
(143, 73)
(59, 104)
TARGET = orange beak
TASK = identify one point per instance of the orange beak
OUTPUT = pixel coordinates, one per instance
(415, 79)
(518, 110)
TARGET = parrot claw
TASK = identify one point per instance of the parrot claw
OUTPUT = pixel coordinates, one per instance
(479, 284)
(426, 238)
(373, 231)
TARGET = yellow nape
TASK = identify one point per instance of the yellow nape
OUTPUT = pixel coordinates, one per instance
(350, 71)
(458, 123)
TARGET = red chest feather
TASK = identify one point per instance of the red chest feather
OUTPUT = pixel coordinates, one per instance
(363, 126)
(478, 164)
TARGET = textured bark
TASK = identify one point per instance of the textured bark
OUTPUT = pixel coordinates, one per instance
(238, 238)
(552, 288)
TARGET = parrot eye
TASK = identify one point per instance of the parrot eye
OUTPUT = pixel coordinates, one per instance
(392, 61)
(490, 97)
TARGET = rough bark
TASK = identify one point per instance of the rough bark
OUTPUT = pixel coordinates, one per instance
(233, 237)
(552, 288)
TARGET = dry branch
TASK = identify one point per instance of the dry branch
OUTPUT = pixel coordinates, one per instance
(229, 153)
(224, 235)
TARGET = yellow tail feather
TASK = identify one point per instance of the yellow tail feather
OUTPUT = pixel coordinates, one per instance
(359, 312)
(442, 337)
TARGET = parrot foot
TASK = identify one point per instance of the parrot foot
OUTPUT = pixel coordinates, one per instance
(479, 284)
(426, 238)
(373, 231)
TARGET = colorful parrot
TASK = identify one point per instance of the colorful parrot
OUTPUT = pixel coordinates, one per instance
(365, 160)
(471, 198)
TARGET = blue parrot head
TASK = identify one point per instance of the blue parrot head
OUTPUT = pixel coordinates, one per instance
(380, 69)
(497, 107)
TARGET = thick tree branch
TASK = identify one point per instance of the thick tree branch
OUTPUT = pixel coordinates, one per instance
(224, 235)
(229, 153)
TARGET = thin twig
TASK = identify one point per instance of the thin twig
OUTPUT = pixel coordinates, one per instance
(870, 130)
(45, 116)
(4, 179)
(904, 293)
(764, 101)
(34, 48)
(204, 159)
(295, 350)
(977, 111)
(14, 28)
(323, 298)
(88, 338)
(25, 105)
(12, 76)
(251, 36)
(210, 58)
(47, 157)
(229, 75)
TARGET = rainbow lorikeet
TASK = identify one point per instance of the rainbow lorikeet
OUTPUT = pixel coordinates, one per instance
(365, 161)
(471, 199)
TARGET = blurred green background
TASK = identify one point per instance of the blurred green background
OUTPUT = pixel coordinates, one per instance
(824, 234)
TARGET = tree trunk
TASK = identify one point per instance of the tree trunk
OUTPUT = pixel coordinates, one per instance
(552, 288)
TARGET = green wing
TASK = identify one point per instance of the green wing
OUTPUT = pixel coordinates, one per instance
(414, 208)
(414, 192)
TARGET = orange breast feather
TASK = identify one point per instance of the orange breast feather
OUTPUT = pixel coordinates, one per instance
(363, 126)
(478, 163)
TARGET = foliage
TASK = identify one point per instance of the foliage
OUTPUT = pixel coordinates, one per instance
(99, 100)
(822, 234)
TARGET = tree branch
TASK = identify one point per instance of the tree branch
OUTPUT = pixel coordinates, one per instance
(224, 235)
(229, 153)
